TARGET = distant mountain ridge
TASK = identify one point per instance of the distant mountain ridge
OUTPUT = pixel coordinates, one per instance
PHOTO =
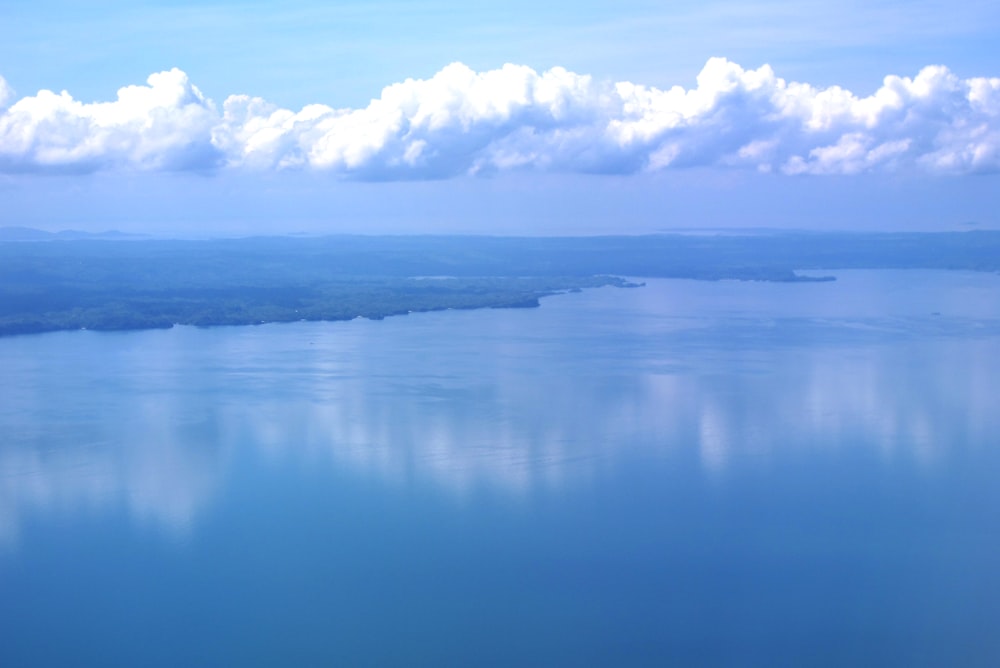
(15, 233)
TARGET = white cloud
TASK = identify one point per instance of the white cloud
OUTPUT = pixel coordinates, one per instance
(164, 125)
(460, 121)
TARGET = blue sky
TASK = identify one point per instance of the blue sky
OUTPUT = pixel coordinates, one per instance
(245, 117)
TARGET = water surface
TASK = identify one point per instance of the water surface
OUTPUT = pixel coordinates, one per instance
(690, 473)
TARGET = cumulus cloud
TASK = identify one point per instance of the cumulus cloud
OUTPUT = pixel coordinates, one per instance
(464, 122)
(166, 124)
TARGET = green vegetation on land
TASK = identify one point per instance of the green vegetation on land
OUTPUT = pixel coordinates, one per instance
(113, 284)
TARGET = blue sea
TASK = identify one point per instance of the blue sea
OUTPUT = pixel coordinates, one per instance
(683, 474)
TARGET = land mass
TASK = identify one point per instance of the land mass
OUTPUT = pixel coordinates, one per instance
(53, 282)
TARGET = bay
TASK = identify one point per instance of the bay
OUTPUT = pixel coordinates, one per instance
(688, 473)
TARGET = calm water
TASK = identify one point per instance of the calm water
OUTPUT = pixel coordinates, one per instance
(718, 474)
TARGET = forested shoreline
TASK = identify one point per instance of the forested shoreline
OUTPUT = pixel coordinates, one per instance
(115, 284)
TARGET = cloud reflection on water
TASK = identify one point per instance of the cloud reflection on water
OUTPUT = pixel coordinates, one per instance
(510, 402)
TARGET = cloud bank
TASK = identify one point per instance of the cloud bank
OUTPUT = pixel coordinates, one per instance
(464, 122)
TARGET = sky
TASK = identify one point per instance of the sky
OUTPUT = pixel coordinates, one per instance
(253, 117)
